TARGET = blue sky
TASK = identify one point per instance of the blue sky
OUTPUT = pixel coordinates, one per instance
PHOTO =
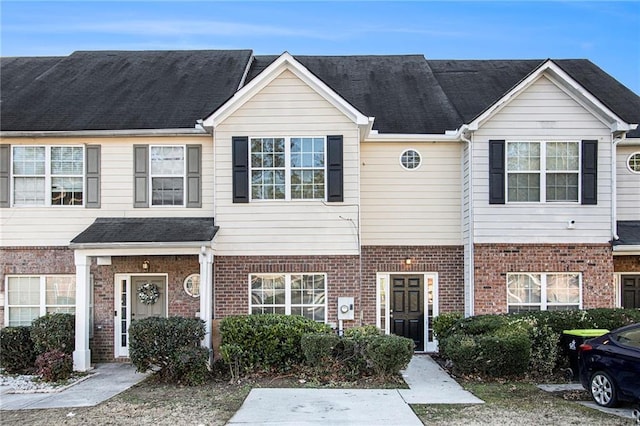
(607, 33)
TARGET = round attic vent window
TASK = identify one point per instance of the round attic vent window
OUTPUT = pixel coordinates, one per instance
(634, 162)
(410, 159)
(192, 285)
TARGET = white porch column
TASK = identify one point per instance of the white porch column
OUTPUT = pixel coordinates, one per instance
(206, 292)
(82, 354)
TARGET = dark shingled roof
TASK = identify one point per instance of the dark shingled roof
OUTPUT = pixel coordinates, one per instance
(400, 91)
(173, 89)
(113, 90)
(628, 233)
(148, 230)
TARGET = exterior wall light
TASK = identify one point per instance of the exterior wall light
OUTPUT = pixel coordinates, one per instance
(407, 261)
(145, 265)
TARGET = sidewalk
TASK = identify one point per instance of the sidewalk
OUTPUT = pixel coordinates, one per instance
(428, 383)
(107, 380)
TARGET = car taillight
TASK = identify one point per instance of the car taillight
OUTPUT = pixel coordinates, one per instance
(585, 347)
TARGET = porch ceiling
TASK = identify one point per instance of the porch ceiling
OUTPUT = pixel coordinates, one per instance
(175, 230)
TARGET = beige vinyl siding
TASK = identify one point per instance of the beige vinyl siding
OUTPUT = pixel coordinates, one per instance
(286, 107)
(628, 185)
(543, 112)
(57, 226)
(411, 207)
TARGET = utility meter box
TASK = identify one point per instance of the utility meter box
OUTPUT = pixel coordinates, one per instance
(345, 308)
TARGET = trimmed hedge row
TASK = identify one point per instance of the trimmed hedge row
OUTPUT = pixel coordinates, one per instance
(170, 347)
(363, 351)
(514, 344)
(266, 342)
(45, 347)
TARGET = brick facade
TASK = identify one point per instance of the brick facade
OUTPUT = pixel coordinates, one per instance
(626, 264)
(231, 276)
(447, 261)
(494, 261)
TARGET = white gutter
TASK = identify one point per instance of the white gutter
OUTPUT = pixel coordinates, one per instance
(471, 290)
(150, 244)
(448, 136)
(614, 194)
(198, 130)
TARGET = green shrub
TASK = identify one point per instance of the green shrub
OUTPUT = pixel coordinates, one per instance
(481, 324)
(388, 354)
(319, 347)
(463, 352)
(191, 365)
(504, 355)
(17, 352)
(270, 341)
(444, 324)
(351, 357)
(54, 331)
(164, 345)
(54, 365)
(363, 331)
(233, 355)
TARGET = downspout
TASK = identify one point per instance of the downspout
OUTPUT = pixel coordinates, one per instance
(469, 311)
(614, 183)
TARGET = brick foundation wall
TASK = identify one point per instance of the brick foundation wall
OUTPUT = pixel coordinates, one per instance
(447, 261)
(494, 261)
(231, 277)
(626, 264)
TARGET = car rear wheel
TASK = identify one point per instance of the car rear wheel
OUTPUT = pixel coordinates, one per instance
(603, 389)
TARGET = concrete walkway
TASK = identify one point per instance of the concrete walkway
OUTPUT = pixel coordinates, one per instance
(428, 383)
(106, 381)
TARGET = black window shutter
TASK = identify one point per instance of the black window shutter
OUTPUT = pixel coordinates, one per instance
(92, 191)
(5, 168)
(240, 154)
(589, 172)
(194, 176)
(335, 174)
(496, 172)
(141, 176)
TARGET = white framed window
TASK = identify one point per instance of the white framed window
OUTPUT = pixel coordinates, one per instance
(289, 294)
(288, 168)
(48, 175)
(633, 163)
(410, 159)
(543, 172)
(543, 291)
(31, 296)
(167, 173)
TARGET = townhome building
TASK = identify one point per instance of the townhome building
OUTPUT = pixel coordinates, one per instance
(348, 189)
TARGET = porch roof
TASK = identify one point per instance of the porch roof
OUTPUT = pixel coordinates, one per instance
(111, 230)
(628, 233)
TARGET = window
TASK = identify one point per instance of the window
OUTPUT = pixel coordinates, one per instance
(544, 291)
(633, 162)
(167, 175)
(287, 168)
(48, 175)
(410, 159)
(290, 294)
(546, 171)
(30, 297)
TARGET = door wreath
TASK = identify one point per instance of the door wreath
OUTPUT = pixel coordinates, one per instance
(148, 293)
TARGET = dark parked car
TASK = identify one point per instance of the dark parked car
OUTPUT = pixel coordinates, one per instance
(610, 366)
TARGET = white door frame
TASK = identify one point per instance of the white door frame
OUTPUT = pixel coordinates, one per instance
(382, 285)
(119, 322)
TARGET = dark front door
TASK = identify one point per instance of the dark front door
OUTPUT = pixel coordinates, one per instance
(407, 308)
(631, 291)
